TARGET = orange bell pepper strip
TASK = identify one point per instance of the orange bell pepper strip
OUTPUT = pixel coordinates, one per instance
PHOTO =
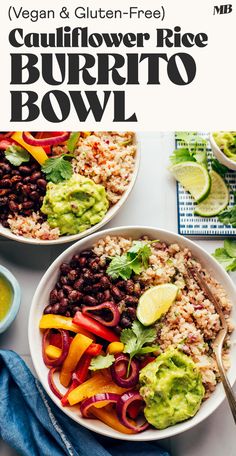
(109, 417)
(53, 352)
(36, 151)
(78, 346)
(95, 385)
(51, 321)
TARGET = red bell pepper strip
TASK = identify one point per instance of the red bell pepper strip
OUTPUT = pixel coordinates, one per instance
(82, 369)
(55, 339)
(64, 399)
(5, 143)
(94, 350)
(95, 327)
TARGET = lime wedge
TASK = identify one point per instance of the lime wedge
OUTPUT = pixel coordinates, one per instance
(155, 302)
(194, 178)
(217, 200)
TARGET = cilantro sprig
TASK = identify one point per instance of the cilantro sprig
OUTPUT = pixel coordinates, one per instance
(101, 362)
(16, 155)
(136, 338)
(194, 149)
(133, 261)
(226, 255)
(58, 168)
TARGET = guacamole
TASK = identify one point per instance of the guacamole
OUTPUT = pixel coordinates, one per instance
(172, 389)
(226, 141)
(74, 205)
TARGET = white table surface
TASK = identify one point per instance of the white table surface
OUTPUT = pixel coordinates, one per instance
(152, 202)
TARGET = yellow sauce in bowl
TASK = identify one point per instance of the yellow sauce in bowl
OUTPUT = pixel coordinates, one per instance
(5, 297)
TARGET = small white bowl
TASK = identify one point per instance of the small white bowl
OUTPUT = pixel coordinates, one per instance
(40, 300)
(15, 301)
(223, 159)
(6, 232)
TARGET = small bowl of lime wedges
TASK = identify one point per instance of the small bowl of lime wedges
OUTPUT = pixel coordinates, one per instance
(10, 297)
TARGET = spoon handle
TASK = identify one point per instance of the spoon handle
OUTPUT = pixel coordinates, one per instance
(227, 387)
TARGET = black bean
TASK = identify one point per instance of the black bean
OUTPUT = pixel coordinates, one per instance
(13, 206)
(35, 176)
(15, 179)
(74, 296)
(125, 322)
(34, 195)
(48, 309)
(116, 293)
(24, 169)
(107, 295)
(72, 275)
(55, 308)
(42, 183)
(78, 285)
(65, 268)
(53, 297)
(6, 183)
(131, 301)
(82, 262)
(129, 286)
(64, 302)
(90, 300)
(60, 294)
(87, 253)
(28, 205)
(64, 280)
(67, 289)
(3, 201)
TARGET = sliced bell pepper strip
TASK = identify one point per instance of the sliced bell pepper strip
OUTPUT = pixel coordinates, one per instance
(115, 347)
(64, 399)
(95, 385)
(79, 376)
(51, 321)
(94, 350)
(95, 327)
(78, 346)
(109, 417)
(5, 143)
(53, 352)
(36, 151)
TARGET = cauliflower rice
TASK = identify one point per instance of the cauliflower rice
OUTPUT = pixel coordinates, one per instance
(191, 324)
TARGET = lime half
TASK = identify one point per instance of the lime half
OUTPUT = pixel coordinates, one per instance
(217, 200)
(194, 178)
(155, 302)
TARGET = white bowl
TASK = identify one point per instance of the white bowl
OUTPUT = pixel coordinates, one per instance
(223, 159)
(41, 298)
(6, 232)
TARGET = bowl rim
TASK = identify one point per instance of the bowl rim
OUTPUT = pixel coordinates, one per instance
(172, 430)
(224, 157)
(16, 300)
(6, 232)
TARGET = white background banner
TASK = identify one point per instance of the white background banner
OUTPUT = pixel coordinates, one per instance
(207, 103)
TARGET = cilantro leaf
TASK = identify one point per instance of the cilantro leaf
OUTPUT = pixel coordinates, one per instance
(136, 337)
(101, 362)
(228, 217)
(146, 350)
(224, 259)
(16, 155)
(135, 260)
(129, 340)
(193, 149)
(180, 155)
(72, 141)
(58, 168)
(230, 247)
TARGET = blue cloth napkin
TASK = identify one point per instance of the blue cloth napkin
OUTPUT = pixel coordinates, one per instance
(32, 424)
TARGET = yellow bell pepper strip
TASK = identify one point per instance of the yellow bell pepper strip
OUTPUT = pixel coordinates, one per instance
(78, 346)
(109, 417)
(115, 347)
(53, 352)
(36, 151)
(51, 321)
(95, 385)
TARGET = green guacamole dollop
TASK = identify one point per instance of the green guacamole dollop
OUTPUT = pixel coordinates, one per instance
(74, 205)
(226, 140)
(172, 389)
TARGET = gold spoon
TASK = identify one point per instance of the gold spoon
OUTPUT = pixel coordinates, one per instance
(219, 341)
